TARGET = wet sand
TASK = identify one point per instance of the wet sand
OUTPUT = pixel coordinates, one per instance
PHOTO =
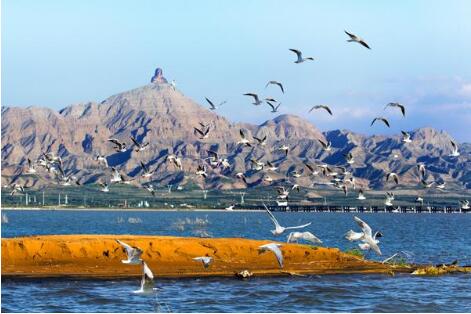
(100, 256)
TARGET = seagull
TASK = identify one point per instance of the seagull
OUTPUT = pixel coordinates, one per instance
(140, 147)
(349, 158)
(213, 158)
(134, 254)
(406, 137)
(464, 204)
(150, 188)
(225, 163)
(177, 161)
(240, 175)
(389, 198)
(326, 146)
(440, 186)
(421, 169)
(271, 167)
(282, 193)
(367, 246)
(104, 187)
(274, 109)
(385, 121)
(426, 184)
(120, 146)
(355, 38)
(361, 195)
(296, 174)
(354, 236)
(311, 169)
(284, 148)
(173, 84)
(147, 281)
(455, 152)
(258, 164)
(420, 200)
(270, 99)
(201, 171)
(206, 260)
(243, 140)
(230, 207)
(102, 160)
(203, 133)
(116, 176)
(394, 176)
(257, 101)
(398, 105)
(307, 236)
(300, 56)
(278, 228)
(30, 169)
(275, 248)
(261, 142)
(125, 180)
(326, 108)
(368, 238)
(213, 106)
(295, 187)
(17, 187)
(146, 171)
(267, 178)
(276, 83)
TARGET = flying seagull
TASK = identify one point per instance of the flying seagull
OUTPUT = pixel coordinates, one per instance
(464, 204)
(104, 187)
(257, 101)
(307, 236)
(355, 38)
(241, 176)
(361, 195)
(300, 56)
(102, 160)
(177, 161)
(120, 146)
(397, 105)
(147, 281)
(275, 248)
(326, 146)
(261, 141)
(150, 188)
(134, 253)
(276, 83)
(368, 237)
(326, 108)
(140, 147)
(284, 148)
(274, 109)
(115, 176)
(421, 169)
(455, 152)
(201, 171)
(243, 140)
(384, 120)
(147, 173)
(206, 260)
(394, 176)
(278, 228)
(31, 168)
(406, 137)
(349, 158)
(202, 132)
(213, 106)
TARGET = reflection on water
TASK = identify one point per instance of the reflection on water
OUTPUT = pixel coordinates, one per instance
(424, 238)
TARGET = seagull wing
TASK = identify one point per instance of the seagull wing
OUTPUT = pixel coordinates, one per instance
(135, 141)
(363, 43)
(297, 52)
(364, 226)
(199, 131)
(144, 167)
(352, 36)
(279, 256)
(281, 87)
(242, 135)
(210, 103)
(129, 249)
(273, 219)
(146, 271)
(299, 227)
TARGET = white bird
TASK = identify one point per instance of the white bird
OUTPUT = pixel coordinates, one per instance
(147, 173)
(454, 152)
(201, 171)
(326, 108)
(115, 175)
(102, 160)
(240, 175)
(441, 186)
(300, 56)
(361, 196)
(368, 237)
(307, 236)
(203, 132)
(326, 146)
(271, 167)
(389, 198)
(31, 168)
(278, 228)
(284, 148)
(397, 105)
(406, 137)
(17, 188)
(349, 158)
(261, 141)
(206, 260)
(257, 100)
(104, 187)
(267, 178)
(213, 106)
(276, 83)
(177, 161)
(384, 120)
(421, 170)
(258, 164)
(230, 207)
(140, 147)
(243, 139)
(147, 281)
(275, 248)
(134, 253)
(394, 176)
(120, 146)
(150, 188)
(274, 109)
(354, 236)
(357, 39)
(283, 193)
(464, 204)
(426, 184)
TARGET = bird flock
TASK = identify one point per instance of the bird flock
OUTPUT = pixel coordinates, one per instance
(367, 241)
(340, 177)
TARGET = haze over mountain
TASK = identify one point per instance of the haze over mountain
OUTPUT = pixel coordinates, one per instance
(165, 117)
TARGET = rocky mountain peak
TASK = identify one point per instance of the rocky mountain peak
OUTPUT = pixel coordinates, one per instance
(158, 77)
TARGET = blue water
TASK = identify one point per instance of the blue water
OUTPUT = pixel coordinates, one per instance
(427, 238)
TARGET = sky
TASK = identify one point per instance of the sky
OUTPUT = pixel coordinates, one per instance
(57, 53)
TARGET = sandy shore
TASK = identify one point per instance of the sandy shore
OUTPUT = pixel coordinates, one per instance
(101, 255)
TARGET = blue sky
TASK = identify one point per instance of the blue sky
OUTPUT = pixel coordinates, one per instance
(56, 53)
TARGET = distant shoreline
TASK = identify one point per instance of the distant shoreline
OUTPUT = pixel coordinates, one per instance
(129, 209)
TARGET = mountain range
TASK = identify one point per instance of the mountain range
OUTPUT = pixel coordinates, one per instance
(162, 115)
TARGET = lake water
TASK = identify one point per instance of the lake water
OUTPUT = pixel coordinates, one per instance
(426, 238)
